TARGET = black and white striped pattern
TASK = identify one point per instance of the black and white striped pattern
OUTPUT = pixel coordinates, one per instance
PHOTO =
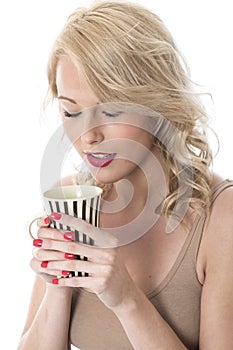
(86, 209)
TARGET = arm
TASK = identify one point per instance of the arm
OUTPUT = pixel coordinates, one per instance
(139, 314)
(215, 264)
(48, 318)
(49, 310)
(216, 252)
(110, 281)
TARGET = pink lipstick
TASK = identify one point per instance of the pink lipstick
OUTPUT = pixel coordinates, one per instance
(99, 159)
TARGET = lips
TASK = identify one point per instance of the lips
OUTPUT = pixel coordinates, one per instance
(99, 159)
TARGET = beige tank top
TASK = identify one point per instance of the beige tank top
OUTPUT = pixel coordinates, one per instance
(177, 298)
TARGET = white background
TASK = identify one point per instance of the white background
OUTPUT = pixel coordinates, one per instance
(203, 31)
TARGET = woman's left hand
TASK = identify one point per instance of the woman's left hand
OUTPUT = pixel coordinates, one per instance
(107, 276)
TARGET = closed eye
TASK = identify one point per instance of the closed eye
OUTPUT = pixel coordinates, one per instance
(115, 114)
(71, 115)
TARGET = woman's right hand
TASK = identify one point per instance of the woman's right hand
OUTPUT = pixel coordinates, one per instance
(42, 257)
(48, 302)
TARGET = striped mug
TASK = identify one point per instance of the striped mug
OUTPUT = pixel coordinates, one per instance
(81, 201)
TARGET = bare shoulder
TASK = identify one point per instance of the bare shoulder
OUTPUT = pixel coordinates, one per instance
(221, 215)
(217, 241)
(222, 208)
(216, 264)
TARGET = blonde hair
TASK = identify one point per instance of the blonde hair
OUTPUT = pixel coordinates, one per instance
(128, 55)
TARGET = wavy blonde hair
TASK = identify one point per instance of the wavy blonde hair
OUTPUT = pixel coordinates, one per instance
(128, 55)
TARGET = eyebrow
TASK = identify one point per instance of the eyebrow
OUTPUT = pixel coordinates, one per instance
(70, 99)
(67, 98)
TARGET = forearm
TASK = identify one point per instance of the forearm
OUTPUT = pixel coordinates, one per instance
(144, 326)
(50, 326)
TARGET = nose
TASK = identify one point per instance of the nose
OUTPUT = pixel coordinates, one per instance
(91, 132)
(92, 136)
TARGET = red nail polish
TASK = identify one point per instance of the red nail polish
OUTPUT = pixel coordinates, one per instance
(44, 264)
(46, 220)
(69, 256)
(65, 273)
(69, 236)
(37, 242)
(56, 216)
(55, 281)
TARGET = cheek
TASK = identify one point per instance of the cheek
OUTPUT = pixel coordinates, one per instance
(138, 136)
(72, 127)
(78, 147)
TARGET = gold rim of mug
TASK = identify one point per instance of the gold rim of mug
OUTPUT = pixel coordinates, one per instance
(30, 226)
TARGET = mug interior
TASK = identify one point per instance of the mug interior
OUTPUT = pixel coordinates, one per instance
(73, 192)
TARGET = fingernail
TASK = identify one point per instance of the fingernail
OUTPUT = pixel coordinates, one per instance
(55, 281)
(37, 242)
(44, 264)
(65, 273)
(56, 216)
(69, 236)
(46, 220)
(69, 256)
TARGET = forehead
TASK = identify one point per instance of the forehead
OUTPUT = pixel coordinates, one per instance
(71, 83)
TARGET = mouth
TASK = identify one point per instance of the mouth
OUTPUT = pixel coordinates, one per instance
(99, 159)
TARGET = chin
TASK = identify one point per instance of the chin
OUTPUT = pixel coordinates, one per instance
(105, 179)
(110, 176)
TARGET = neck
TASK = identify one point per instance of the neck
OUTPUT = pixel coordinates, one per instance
(148, 183)
(129, 210)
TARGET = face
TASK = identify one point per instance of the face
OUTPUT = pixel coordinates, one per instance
(112, 139)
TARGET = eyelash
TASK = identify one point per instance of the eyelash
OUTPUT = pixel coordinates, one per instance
(69, 115)
(110, 115)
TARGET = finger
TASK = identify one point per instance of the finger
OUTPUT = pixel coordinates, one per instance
(64, 268)
(38, 268)
(101, 237)
(47, 255)
(51, 233)
(92, 253)
(88, 282)
(47, 278)
(79, 265)
(44, 221)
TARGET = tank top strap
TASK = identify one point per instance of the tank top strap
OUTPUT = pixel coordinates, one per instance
(187, 257)
(219, 188)
(200, 223)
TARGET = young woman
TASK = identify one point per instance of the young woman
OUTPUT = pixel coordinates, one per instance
(160, 275)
